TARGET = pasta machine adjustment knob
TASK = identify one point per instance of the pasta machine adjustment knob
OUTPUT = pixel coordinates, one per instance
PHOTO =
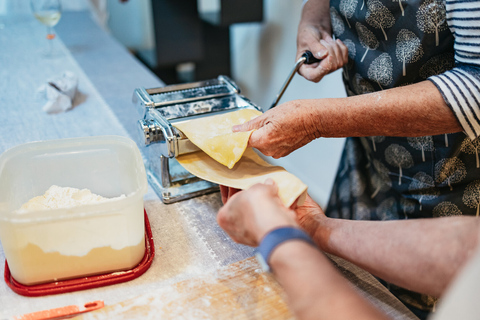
(150, 130)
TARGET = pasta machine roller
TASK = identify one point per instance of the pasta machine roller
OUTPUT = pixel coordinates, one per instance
(160, 108)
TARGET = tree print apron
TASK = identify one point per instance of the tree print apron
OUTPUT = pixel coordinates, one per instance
(391, 44)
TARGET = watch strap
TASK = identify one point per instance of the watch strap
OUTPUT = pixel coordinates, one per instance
(276, 237)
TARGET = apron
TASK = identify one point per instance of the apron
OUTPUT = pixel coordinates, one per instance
(391, 44)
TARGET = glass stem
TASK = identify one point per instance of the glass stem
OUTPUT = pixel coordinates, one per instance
(50, 37)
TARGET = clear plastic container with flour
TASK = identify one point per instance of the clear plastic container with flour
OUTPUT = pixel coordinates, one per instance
(45, 245)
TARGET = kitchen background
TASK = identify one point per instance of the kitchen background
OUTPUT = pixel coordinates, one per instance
(261, 55)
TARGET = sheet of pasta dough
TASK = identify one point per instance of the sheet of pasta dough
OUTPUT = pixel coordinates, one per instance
(250, 170)
(215, 137)
(222, 148)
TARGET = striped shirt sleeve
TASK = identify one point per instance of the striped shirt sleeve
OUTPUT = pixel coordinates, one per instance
(460, 86)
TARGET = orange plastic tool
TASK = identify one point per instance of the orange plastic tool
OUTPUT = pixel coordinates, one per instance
(61, 313)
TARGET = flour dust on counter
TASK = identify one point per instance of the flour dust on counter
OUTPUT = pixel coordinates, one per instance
(237, 291)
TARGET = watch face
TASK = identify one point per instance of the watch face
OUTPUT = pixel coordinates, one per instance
(263, 264)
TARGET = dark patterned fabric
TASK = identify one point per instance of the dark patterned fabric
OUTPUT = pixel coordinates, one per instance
(391, 44)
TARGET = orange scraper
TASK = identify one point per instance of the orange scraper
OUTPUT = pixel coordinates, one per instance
(61, 313)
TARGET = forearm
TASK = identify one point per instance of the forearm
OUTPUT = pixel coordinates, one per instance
(409, 111)
(316, 13)
(421, 255)
(315, 289)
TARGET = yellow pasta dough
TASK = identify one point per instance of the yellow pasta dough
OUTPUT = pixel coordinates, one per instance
(226, 160)
(215, 137)
(250, 170)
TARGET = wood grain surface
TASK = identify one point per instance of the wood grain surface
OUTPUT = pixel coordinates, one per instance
(237, 291)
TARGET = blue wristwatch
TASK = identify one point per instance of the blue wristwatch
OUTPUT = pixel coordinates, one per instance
(275, 238)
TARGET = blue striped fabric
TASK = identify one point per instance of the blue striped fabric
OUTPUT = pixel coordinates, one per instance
(460, 86)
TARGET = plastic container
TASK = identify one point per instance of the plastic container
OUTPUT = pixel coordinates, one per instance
(56, 244)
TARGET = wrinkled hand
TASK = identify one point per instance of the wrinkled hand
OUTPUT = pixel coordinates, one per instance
(333, 53)
(310, 217)
(249, 215)
(283, 129)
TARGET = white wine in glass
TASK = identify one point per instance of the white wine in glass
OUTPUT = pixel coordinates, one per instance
(48, 12)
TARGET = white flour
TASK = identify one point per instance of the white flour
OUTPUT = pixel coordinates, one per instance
(63, 197)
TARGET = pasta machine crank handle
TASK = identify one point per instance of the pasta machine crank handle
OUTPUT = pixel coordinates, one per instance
(306, 58)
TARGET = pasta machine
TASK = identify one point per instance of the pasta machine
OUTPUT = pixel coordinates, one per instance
(160, 108)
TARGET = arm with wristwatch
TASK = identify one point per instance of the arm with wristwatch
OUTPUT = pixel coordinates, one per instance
(315, 289)
(290, 242)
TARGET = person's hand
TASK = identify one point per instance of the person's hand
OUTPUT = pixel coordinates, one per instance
(249, 215)
(310, 217)
(283, 129)
(333, 53)
(227, 193)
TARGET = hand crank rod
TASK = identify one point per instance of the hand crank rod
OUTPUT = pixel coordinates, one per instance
(306, 58)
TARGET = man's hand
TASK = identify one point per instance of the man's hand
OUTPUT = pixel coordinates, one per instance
(249, 215)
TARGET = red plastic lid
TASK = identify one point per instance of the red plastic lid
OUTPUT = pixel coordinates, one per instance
(87, 282)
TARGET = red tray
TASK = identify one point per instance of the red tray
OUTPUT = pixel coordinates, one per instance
(87, 282)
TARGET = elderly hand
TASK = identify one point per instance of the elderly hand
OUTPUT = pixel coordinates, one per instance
(249, 215)
(283, 129)
(333, 53)
(311, 218)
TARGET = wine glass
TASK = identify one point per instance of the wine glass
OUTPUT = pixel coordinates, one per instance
(48, 12)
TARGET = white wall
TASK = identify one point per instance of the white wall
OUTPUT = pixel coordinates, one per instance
(263, 55)
(132, 23)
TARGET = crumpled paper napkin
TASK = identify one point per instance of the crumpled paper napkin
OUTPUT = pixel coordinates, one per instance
(59, 92)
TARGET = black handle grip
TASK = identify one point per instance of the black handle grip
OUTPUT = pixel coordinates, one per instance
(309, 58)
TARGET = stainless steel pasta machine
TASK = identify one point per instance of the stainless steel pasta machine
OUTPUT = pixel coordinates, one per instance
(160, 108)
